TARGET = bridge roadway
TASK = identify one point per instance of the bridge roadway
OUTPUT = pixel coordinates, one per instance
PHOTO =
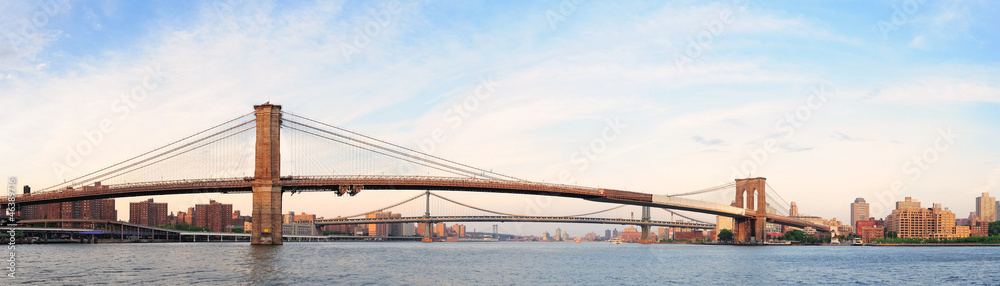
(435, 219)
(371, 182)
(130, 229)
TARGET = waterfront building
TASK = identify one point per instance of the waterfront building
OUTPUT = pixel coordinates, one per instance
(630, 234)
(215, 216)
(978, 227)
(917, 222)
(871, 222)
(148, 213)
(870, 233)
(441, 230)
(859, 211)
(986, 207)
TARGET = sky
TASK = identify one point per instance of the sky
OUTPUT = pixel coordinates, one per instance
(829, 100)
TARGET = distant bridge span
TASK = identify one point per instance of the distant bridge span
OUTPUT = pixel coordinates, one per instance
(334, 221)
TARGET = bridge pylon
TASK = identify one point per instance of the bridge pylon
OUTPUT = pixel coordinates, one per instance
(428, 224)
(267, 177)
(753, 228)
(644, 239)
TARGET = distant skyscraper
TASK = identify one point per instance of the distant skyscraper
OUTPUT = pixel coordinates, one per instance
(793, 210)
(985, 207)
(859, 211)
(607, 234)
(996, 210)
(558, 236)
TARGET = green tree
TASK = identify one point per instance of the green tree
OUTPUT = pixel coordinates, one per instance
(994, 228)
(725, 235)
(891, 234)
(795, 235)
(237, 230)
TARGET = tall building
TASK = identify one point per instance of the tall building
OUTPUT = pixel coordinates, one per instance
(148, 213)
(920, 223)
(908, 203)
(459, 229)
(859, 211)
(214, 215)
(986, 207)
(607, 234)
(793, 210)
(378, 229)
(441, 230)
(558, 234)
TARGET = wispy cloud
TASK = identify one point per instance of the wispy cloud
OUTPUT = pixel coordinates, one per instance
(708, 142)
(845, 137)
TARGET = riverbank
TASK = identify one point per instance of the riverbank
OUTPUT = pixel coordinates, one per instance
(932, 244)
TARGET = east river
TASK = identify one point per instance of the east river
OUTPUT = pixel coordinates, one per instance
(498, 263)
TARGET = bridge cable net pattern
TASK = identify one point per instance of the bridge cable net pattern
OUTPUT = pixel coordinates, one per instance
(317, 148)
(442, 206)
(221, 152)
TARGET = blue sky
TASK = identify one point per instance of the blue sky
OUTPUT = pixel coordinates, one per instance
(701, 87)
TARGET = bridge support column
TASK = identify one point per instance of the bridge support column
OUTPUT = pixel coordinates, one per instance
(427, 224)
(427, 232)
(267, 177)
(644, 239)
(754, 227)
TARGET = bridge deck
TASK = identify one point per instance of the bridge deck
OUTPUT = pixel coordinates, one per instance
(336, 183)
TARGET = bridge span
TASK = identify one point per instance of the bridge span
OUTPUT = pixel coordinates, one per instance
(436, 219)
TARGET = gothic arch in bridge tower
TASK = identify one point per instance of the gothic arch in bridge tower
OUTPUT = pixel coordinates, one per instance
(751, 196)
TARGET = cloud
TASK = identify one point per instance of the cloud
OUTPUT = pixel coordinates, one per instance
(708, 142)
(845, 137)
(788, 147)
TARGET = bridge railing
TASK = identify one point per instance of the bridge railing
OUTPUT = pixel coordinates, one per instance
(459, 182)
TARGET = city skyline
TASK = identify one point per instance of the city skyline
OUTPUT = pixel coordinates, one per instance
(927, 90)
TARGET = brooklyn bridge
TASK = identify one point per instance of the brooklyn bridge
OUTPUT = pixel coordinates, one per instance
(204, 162)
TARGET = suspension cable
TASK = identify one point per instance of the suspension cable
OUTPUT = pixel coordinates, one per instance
(146, 153)
(401, 147)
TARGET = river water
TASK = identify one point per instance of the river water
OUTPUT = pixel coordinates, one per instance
(497, 263)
